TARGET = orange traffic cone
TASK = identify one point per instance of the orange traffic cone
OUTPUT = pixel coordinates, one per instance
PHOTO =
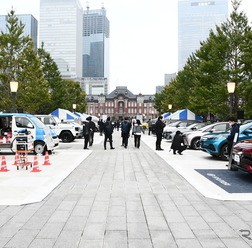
(3, 165)
(16, 159)
(47, 162)
(35, 165)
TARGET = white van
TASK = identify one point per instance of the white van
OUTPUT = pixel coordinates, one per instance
(12, 123)
(67, 132)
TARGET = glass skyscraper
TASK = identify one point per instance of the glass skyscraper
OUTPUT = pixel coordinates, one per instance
(95, 53)
(30, 28)
(60, 31)
(195, 19)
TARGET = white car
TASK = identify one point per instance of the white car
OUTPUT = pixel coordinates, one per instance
(174, 126)
(190, 128)
(192, 139)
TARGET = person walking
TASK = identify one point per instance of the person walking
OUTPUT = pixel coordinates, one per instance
(108, 130)
(234, 133)
(149, 126)
(92, 130)
(137, 130)
(159, 128)
(117, 124)
(178, 143)
(125, 130)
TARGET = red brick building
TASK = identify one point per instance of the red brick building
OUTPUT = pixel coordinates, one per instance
(120, 103)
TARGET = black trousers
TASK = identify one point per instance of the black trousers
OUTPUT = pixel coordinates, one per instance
(108, 137)
(137, 139)
(159, 139)
(125, 138)
(86, 139)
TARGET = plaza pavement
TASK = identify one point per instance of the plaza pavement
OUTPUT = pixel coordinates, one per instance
(129, 198)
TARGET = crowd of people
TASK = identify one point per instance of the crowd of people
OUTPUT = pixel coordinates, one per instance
(136, 129)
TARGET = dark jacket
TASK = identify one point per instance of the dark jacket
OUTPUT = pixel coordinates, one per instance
(235, 129)
(177, 142)
(108, 128)
(125, 127)
(159, 126)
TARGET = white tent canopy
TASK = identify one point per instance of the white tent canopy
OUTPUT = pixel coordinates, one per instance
(184, 114)
(64, 114)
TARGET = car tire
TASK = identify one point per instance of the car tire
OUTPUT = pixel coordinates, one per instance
(224, 152)
(66, 137)
(195, 144)
(39, 147)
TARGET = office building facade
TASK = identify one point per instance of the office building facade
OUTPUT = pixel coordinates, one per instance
(60, 31)
(30, 26)
(95, 53)
(195, 19)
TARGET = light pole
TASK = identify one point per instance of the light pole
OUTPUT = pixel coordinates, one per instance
(74, 107)
(13, 88)
(169, 107)
(231, 89)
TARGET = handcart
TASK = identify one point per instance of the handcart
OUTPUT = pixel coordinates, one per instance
(23, 147)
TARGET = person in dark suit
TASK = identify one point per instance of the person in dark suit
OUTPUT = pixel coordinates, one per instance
(159, 128)
(234, 133)
(178, 143)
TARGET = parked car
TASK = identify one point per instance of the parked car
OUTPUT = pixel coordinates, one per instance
(174, 127)
(216, 143)
(190, 128)
(242, 156)
(66, 132)
(13, 123)
(192, 139)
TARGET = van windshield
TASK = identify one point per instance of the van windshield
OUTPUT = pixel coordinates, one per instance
(38, 122)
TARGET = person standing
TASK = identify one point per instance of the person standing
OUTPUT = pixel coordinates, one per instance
(178, 143)
(137, 131)
(234, 133)
(92, 130)
(100, 124)
(108, 130)
(159, 127)
(125, 129)
(86, 132)
(149, 125)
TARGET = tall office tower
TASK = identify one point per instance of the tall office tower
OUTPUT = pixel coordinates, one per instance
(195, 19)
(95, 68)
(60, 31)
(30, 26)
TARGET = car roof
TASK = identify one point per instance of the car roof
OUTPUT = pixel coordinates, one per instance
(16, 114)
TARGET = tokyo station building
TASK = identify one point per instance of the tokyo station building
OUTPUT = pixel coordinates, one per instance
(121, 103)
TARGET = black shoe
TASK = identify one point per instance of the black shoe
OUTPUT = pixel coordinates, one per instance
(160, 149)
(112, 148)
(125, 147)
(180, 153)
(85, 148)
(105, 148)
(174, 152)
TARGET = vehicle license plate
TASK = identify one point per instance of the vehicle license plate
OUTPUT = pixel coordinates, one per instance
(237, 158)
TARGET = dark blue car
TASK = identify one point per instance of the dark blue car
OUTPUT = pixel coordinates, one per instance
(216, 143)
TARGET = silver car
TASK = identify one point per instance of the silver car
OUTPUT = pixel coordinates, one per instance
(174, 127)
(192, 139)
(192, 127)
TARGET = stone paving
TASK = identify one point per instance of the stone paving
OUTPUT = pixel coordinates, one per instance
(126, 198)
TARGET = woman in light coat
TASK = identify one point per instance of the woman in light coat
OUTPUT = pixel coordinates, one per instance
(137, 131)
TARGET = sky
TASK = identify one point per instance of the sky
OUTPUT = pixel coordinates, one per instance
(143, 38)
